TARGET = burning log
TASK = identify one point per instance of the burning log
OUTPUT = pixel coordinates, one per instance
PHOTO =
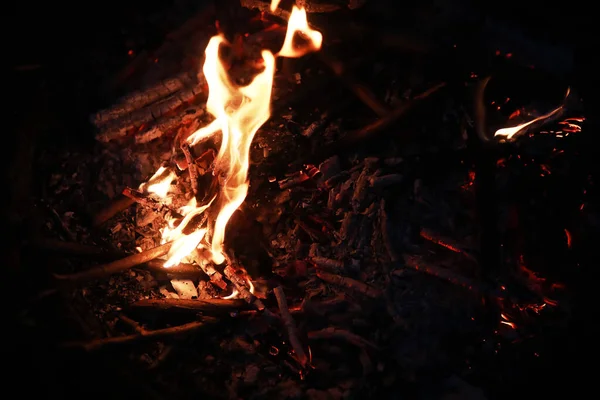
(166, 125)
(117, 266)
(192, 168)
(290, 325)
(214, 275)
(336, 333)
(310, 7)
(141, 333)
(141, 98)
(350, 283)
(204, 305)
(116, 206)
(119, 127)
(447, 243)
(240, 284)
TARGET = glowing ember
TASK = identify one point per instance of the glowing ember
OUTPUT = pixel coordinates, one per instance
(239, 112)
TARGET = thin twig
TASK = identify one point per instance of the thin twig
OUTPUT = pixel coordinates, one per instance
(290, 325)
(336, 333)
(192, 167)
(142, 334)
(116, 206)
(204, 305)
(350, 283)
(117, 266)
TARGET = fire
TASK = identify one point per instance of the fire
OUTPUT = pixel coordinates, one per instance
(509, 133)
(239, 112)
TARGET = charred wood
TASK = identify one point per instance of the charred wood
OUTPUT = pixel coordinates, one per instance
(116, 206)
(116, 266)
(166, 125)
(141, 334)
(337, 333)
(350, 283)
(204, 305)
(290, 326)
(446, 243)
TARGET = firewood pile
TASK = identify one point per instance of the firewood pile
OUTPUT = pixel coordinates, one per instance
(355, 265)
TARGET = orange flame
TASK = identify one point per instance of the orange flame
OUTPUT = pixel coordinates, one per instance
(239, 112)
(274, 4)
(509, 133)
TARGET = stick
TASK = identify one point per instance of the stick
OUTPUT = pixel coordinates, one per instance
(75, 249)
(361, 91)
(143, 97)
(418, 264)
(120, 127)
(117, 266)
(447, 243)
(290, 325)
(141, 334)
(389, 119)
(169, 124)
(240, 285)
(385, 233)
(349, 283)
(116, 206)
(192, 168)
(204, 305)
(336, 333)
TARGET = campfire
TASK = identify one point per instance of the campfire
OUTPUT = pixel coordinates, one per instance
(275, 206)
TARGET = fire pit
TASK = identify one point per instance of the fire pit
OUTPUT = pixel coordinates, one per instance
(286, 201)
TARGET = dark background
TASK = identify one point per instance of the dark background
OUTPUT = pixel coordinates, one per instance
(57, 54)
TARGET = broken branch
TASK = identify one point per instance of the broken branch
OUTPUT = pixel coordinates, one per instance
(336, 333)
(116, 206)
(205, 305)
(349, 283)
(290, 325)
(117, 266)
(141, 334)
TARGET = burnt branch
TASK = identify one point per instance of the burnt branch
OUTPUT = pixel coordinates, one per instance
(205, 305)
(115, 207)
(117, 266)
(336, 333)
(350, 283)
(141, 334)
(290, 325)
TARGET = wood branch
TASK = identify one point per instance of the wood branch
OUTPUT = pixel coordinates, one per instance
(141, 334)
(349, 283)
(391, 118)
(336, 333)
(117, 266)
(167, 125)
(363, 92)
(133, 121)
(143, 97)
(447, 243)
(192, 168)
(119, 204)
(318, 7)
(384, 181)
(385, 234)
(150, 202)
(202, 260)
(240, 284)
(75, 249)
(204, 305)
(418, 264)
(290, 325)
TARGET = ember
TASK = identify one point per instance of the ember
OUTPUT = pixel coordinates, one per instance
(309, 199)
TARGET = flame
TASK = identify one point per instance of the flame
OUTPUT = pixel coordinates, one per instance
(274, 5)
(160, 182)
(239, 112)
(299, 24)
(509, 133)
